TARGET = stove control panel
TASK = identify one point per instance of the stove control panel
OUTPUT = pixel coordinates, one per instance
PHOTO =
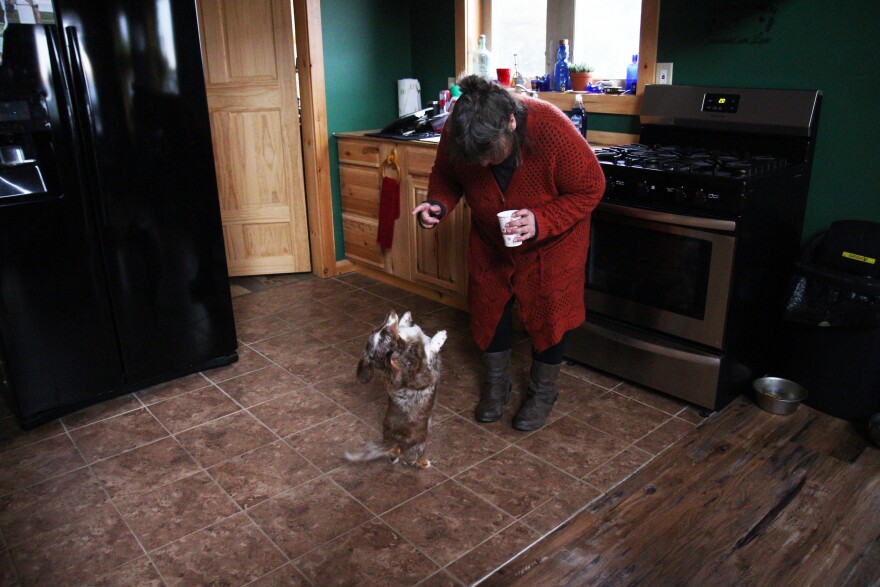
(668, 193)
(726, 103)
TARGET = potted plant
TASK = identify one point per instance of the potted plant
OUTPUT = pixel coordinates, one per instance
(581, 75)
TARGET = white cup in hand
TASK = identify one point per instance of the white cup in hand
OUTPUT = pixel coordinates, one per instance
(510, 240)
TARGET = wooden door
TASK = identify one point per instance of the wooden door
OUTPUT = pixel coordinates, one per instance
(250, 75)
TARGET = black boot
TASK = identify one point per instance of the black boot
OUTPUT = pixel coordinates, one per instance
(496, 388)
(540, 397)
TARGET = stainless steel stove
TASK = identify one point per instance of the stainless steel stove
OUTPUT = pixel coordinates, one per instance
(693, 242)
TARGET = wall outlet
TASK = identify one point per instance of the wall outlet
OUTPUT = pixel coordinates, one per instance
(664, 74)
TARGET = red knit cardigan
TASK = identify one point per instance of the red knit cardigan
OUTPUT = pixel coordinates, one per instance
(559, 180)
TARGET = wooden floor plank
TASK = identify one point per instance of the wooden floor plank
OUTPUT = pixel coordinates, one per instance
(679, 533)
(756, 563)
(846, 534)
(747, 498)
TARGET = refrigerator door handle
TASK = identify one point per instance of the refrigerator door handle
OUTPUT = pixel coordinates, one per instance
(82, 103)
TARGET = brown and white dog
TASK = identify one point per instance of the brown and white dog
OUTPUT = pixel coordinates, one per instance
(409, 363)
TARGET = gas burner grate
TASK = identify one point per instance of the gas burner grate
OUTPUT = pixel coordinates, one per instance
(697, 161)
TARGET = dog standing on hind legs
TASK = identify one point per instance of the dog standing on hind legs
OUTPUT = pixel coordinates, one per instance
(409, 363)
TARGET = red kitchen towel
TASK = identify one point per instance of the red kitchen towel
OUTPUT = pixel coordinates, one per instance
(389, 211)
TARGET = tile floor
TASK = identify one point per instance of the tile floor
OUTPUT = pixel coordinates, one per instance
(235, 476)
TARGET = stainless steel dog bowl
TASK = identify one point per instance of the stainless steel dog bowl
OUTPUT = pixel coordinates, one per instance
(777, 395)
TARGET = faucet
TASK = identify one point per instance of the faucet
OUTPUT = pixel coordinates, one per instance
(531, 93)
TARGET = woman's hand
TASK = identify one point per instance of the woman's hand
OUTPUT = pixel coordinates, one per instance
(428, 214)
(523, 224)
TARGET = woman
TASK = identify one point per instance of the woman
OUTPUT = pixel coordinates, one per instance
(503, 151)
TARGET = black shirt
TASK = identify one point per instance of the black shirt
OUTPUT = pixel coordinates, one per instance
(503, 172)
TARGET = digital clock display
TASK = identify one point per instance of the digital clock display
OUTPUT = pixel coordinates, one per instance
(724, 103)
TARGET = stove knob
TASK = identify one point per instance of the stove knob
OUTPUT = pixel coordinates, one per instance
(643, 189)
(679, 196)
(609, 185)
(698, 200)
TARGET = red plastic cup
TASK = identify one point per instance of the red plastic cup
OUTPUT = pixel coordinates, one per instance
(504, 76)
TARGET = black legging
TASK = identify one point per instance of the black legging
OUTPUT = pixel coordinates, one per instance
(503, 338)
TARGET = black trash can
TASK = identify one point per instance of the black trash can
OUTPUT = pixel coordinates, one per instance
(832, 321)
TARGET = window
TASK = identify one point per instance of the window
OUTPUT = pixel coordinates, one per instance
(474, 17)
(601, 34)
(519, 28)
(606, 35)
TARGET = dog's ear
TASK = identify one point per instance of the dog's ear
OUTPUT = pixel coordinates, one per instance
(436, 343)
(406, 320)
(391, 321)
(365, 370)
(391, 326)
(395, 370)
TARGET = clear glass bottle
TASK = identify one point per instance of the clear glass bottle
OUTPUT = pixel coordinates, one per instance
(632, 75)
(483, 60)
(579, 115)
(561, 77)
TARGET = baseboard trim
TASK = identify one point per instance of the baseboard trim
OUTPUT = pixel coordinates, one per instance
(447, 299)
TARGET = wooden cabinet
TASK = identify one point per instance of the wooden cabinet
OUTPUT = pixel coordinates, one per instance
(359, 185)
(432, 260)
(439, 256)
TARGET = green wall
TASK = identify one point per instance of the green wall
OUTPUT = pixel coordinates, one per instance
(368, 46)
(613, 123)
(366, 50)
(432, 24)
(803, 44)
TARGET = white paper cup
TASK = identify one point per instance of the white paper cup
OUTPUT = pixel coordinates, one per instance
(509, 239)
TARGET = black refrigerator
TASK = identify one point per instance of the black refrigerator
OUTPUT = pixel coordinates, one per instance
(112, 268)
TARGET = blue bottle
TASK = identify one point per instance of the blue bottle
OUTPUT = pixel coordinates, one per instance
(632, 75)
(561, 77)
(579, 115)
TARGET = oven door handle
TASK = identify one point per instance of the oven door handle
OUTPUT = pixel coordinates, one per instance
(667, 218)
(642, 344)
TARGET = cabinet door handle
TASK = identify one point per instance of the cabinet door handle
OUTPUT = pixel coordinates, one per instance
(391, 159)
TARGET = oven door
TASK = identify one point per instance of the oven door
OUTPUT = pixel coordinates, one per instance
(669, 273)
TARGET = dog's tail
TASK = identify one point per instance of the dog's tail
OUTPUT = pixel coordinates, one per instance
(371, 452)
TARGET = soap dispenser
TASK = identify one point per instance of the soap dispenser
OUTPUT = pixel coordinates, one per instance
(579, 115)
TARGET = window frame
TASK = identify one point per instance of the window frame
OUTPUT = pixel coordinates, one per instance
(471, 14)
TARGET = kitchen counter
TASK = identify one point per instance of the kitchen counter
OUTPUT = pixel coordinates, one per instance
(599, 139)
(362, 134)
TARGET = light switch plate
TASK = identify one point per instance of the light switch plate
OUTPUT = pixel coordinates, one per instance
(664, 74)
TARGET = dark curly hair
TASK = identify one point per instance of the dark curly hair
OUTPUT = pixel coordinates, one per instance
(479, 125)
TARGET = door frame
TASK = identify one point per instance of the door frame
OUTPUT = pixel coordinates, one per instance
(315, 137)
